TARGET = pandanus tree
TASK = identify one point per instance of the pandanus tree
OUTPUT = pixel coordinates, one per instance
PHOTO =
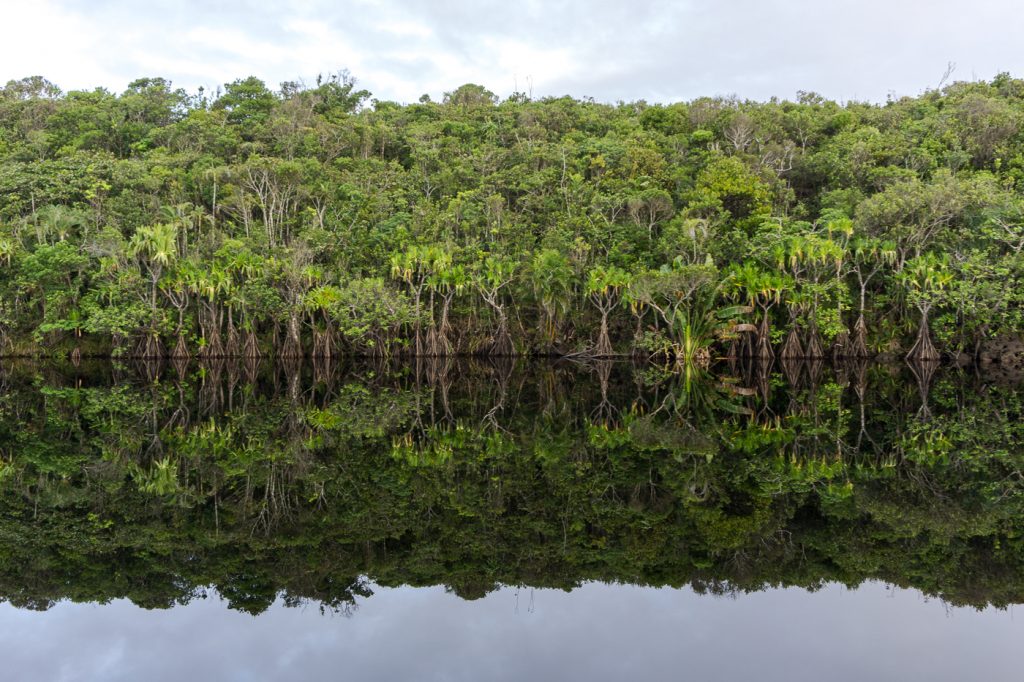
(869, 257)
(156, 248)
(793, 348)
(55, 223)
(245, 272)
(417, 267)
(320, 302)
(839, 229)
(925, 277)
(10, 246)
(812, 260)
(176, 290)
(604, 287)
(258, 303)
(491, 277)
(446, 284)
(189, 219)
(760, 290)
(552, 276)
(209, 282)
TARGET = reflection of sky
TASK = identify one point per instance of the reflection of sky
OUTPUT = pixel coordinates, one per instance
(598, 632)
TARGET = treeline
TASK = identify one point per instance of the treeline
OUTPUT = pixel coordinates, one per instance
(317, 221)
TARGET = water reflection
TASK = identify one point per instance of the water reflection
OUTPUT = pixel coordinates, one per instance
(596, 632)
(303, 483)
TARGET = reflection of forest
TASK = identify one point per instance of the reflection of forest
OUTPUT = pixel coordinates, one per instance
(154, 482)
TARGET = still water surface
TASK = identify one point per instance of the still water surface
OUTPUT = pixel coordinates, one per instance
(489, 521)
(596, 632)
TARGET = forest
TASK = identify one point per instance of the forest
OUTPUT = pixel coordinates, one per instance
(316, 221)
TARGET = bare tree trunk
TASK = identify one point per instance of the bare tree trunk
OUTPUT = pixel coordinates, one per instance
(250, 348)
(763, 350)
(180, 351)
(792, 349)
(293, 340)
(604, 349)
(233, 343)
(858, 347)
(502, 341)
(923, 348)
(444, 328)
(814, 349)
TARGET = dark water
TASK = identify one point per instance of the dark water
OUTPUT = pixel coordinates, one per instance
(509, 521)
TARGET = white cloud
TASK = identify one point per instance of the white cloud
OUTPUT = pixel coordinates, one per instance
(44, 39)
(646, 49)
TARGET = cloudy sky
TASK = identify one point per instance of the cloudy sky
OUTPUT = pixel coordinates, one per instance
(658, 50)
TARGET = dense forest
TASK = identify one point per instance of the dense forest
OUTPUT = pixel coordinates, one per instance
(317, 221)
(279, 483)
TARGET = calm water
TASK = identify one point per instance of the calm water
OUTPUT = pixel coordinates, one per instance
(596, 632)
(509, 521)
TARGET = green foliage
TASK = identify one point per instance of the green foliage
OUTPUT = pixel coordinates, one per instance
(513, 226)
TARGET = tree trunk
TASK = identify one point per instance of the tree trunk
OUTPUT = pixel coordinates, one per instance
(792, 349)
(814, 349)
(604, 349)
(858, 347)
(293, 340)
(923, 349)
(233, 342)
(841, 346)
(180, 351)
(250, 348)
(763, 350)
(502, 342)
(445, 328)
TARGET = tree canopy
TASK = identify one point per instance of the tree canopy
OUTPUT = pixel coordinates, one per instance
(315, 220)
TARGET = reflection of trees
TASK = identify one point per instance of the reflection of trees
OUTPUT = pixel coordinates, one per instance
(296, 480)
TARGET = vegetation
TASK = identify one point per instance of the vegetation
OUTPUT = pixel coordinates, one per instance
(272, 481)
(315, 220)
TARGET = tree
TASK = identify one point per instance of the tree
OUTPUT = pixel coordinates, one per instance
(420, 268)
(247, 102)
(491, 277)
(924, 278)
(604, 287)
(552, 277)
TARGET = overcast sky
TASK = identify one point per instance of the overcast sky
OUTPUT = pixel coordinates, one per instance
(657, 50)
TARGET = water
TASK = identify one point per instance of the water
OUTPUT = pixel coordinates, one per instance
(596, 632)
(509, 521)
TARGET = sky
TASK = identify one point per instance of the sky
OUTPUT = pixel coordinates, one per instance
(653, 50)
